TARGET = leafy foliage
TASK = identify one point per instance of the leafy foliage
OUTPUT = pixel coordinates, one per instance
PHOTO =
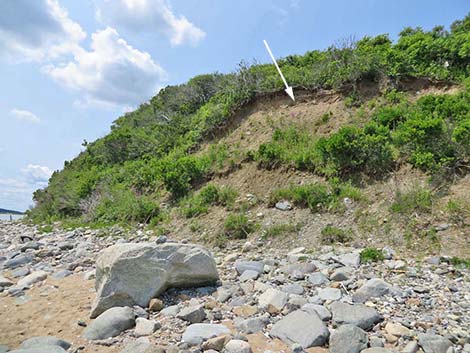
(210, 195)
(332, 235)
(276, 230)
(317, 197)
(238, 226)
(371, 255)
(149, 152)
(416, 199)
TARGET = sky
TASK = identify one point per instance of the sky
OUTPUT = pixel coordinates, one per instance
(69, 68)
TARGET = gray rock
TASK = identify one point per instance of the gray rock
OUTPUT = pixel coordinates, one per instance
(350, 259)
(296, 348)
(329, 294)
(348, 339)
(434, 343)
(237, 346)
(129, 274)
(342, 274)
(293, 288)
(33, 245)
(360, 315)
(373, 288)
(40, 349)
(377, 350)
(320, 310)
(45, 341)
(65, 245)
(298, 271)
(318, 279)
(411, 347)
(192, 314)
(249, 275)
(5, 282)
(19, 272)
(252, 325)
(142, 345)
(18, 261)
(376, 342)
(144, 327)
(36, 276)
(197, 333)
(242, 266)
(283, 205)
(4, 349)
(300, 327)
(170, 311)
(89, 275)
(110, 323)
(273, 298)
(433, 260)
(61, 274)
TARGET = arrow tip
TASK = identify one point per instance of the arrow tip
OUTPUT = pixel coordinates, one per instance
(290, 92)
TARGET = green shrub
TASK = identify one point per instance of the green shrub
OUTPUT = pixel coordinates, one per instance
(371, 255)
(46, 228)
(151, 149)
(210, 195)
(416, 199)
(288, 147)
(238, 226)
(276, 230)
(458, 210)
(120, 204)
(179, 174)
(316, 197)
(332, 235)
(458, 262)
(227, 196)
(354, 149)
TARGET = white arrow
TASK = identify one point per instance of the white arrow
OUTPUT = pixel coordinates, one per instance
(288, 89)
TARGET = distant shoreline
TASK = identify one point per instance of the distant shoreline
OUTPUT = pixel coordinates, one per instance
(12, 212)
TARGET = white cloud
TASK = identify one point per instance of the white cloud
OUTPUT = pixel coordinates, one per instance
(25, 115)
(37, 175)
(112, 72)
(16, 193)
(150, 16)
(37, 30)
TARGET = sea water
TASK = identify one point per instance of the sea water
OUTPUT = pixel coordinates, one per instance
(6, 217)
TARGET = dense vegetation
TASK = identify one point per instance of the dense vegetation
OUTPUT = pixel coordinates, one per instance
(150, 153)
(432, 134)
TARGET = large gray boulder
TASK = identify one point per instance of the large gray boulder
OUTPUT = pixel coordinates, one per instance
(306, 329)
(348, 339)
(132, 274)
(359, 315)
(110, 324)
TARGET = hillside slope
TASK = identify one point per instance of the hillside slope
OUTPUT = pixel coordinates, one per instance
(375, 149)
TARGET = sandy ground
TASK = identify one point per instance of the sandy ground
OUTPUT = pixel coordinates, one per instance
(54, 308)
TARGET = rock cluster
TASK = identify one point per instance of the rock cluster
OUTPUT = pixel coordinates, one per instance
(295, 298)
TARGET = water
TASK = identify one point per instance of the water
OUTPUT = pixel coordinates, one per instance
(6, 217)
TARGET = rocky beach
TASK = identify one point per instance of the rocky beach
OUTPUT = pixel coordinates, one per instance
(123, 291)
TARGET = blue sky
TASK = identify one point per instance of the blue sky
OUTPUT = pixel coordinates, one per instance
(69, 68)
